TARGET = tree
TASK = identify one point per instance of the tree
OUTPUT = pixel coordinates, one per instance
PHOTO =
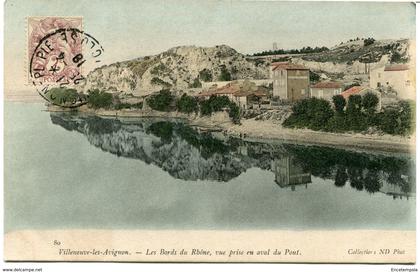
(99, 99)
(312, 113)
(63, 96)
(234, 113)
(368, 41)
(397, 119)
(369, 103)
(355, 120)
(161, 101)
(313, 77)
(339, 103)
(354, 105)
(187, 104)
(205, 75)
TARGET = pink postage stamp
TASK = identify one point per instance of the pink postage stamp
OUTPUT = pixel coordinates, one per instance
(49, 56)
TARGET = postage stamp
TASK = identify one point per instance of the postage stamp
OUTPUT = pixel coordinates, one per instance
(58, 49)
(38, 28)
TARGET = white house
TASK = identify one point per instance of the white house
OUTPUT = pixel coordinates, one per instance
(398, 77)
(326, 90)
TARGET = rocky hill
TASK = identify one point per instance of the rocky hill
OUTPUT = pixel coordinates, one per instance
(178, 68)
(364, 52)
(188, 67)
(352, 58)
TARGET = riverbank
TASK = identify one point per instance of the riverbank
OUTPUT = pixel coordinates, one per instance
(269, 130)
(253, 130)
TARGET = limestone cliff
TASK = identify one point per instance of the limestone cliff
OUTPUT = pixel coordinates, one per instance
(178, 68)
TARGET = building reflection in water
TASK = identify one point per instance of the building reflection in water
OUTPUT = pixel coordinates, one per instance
(288, 173)
(398, 191)
(187, 153)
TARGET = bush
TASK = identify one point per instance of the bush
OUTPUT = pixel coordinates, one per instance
(213, 104)
(339, 103)
(196, 83)
(99, 99)
(161, 101)
(224, 74)
(355, 120)
(205, 75)
(218, 103)
(234, 113)
(312, 113)
(354, 105)
(370, 102)
(62, 96)
(315, 114)
(338, 123)
(187, 104)
(314, 77)
(368, 41)
(158, 81)
(397, 120)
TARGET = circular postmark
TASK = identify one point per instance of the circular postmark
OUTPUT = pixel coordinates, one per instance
(58, 61)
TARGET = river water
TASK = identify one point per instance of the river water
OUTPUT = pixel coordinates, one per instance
(65, 171)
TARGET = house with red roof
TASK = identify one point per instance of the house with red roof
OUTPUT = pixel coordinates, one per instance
(361, 90)
(243, 93)
(326, 90)
(290, 81)
(399, 78)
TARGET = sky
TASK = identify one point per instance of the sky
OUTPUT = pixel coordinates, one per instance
(128, 29)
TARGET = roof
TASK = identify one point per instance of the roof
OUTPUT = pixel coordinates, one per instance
(356, 90)
(353, 90)
(327, 85)
(396, 67)
(289, 66)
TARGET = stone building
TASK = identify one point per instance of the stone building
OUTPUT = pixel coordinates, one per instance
(361, 90)
(396, 77)
(290, 81)
(326, 90)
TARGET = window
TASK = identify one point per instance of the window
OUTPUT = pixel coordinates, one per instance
(379, 75)
(407, 83)
(378, 84)
(302, 91)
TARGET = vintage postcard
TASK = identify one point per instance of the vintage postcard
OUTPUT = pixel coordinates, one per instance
(209, 131)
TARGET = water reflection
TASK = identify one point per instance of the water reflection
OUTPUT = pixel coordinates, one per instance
(289, 173)
(187, 154)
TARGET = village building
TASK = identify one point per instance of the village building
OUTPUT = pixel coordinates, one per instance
(326, 90)
(272, 66)
(290, 81)
(288, 173)
(244, 93)
(360, 90)
(396, 77)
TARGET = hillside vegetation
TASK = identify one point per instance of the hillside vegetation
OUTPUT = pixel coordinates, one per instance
(178, 68)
